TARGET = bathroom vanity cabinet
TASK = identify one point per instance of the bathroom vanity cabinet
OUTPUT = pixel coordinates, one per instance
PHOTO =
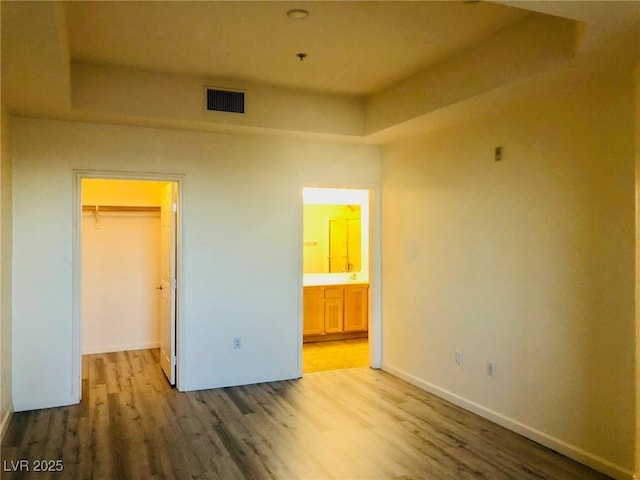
(335, 311)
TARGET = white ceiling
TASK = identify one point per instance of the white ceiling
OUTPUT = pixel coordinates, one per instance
(353, 47)
(390, 67)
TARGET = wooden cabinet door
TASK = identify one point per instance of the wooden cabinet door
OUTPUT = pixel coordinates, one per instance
(313, 311)
(356, 308)
(333, 315)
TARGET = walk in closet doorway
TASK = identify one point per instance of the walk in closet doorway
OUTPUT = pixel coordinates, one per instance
(128, 267)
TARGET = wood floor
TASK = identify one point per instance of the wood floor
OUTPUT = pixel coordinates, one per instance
(346, 424)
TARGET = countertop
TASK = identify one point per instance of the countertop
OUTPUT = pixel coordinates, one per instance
(324, 279)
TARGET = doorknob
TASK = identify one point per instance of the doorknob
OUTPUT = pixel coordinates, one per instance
(159, 287)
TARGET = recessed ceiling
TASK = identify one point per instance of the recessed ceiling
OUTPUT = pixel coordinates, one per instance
(399, 64)
(356, 48)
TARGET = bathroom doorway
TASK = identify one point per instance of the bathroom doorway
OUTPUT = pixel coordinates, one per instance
(336, 272)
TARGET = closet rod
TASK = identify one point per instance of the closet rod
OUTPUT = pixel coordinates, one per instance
(117, 208)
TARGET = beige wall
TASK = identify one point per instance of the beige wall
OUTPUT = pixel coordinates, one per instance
(241, 268)
(116, 92)
(637, 268)
(6, 404)
(521, 51)
(527, 263)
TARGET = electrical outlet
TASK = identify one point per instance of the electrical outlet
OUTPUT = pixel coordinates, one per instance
(491, 369)
(237, 343)
(459, 358)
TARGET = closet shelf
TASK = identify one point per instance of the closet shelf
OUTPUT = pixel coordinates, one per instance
(117, 208)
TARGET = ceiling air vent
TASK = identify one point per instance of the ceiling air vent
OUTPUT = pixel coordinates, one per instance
(225, 101)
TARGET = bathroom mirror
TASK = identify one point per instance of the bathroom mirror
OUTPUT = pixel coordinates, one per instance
(332, 238)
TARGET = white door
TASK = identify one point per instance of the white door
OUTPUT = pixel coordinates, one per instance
(168, 212)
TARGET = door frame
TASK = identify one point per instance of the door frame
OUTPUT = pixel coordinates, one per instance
(76, 324)
(375, 284)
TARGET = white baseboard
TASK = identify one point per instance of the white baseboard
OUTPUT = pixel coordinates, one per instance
(571, 451)
(4, 423)
(119, 348)
(40, 403)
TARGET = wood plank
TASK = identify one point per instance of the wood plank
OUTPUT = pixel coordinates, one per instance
(357, 423)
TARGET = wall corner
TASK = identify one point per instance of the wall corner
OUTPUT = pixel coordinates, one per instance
(637, 266)
(6, 234)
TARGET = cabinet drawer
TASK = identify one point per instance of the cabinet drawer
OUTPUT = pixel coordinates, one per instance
(333, 292)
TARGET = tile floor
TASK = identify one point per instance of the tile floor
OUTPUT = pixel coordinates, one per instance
(335, 355)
